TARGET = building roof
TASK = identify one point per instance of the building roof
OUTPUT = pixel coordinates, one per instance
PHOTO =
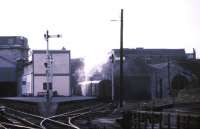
(13, 42)
(167, 52)
(51, 51)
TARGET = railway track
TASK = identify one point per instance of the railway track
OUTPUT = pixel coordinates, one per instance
(15, 119)
(69, 118)
(11, 118)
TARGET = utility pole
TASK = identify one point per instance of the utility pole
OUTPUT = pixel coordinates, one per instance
(113, 89)
(168, 75)
(49, 72)
(121, 61)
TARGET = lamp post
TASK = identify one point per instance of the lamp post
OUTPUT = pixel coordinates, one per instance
(49, 72)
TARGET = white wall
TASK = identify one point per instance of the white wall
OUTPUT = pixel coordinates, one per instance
(60, 84)
(60, 63)
(38, 63)
(61, 72)
(27, 87)
(27, 78)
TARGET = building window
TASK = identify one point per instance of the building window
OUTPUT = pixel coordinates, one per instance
(23, 82)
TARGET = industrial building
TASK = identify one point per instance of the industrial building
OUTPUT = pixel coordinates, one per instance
(149, 73)
(13, 54)
(34, 75)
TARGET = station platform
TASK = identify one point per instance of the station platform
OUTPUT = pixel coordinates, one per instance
(39, 105)
(54, 99)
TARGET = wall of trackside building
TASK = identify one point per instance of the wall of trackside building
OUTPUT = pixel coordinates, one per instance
(60, 72)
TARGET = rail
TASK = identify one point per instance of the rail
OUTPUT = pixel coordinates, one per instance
(15, 119)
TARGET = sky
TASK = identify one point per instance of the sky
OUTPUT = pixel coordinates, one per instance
(87, 30)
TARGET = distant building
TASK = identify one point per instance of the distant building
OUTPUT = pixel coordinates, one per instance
(149, 73)
(13, 54)
(37, 72)
(152, 56)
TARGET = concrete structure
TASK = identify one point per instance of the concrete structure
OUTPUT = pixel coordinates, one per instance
(60, 71)
(13, 54)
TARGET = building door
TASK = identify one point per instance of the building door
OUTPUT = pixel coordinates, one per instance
(179, 82)
(8, 89)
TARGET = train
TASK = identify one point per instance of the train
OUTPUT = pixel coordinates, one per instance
(96, 88)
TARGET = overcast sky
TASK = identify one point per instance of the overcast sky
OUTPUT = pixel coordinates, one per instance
(87, 30)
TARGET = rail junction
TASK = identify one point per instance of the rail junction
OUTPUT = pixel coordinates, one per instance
(15, 119)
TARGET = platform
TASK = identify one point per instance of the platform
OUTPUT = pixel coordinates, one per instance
(54, 99)
(38, 105)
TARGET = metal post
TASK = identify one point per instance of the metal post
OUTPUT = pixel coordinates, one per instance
(139, 120)
(152, 120)
(49, 72)
(145, 120)
(178, 121)
(135, 119)
(184, 121)
(121, 60)
(160, 120)
(169, 120)
(168, 75)
(188, 121)
(113, 90)
(48, 97)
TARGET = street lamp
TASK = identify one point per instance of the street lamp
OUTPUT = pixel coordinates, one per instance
(48, 65)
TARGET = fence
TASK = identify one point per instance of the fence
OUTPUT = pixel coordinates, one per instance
(159, 120)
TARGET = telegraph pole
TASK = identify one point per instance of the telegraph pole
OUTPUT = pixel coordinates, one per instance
(49, 72)
(113, 89)
(121, 61)
(168, 74)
